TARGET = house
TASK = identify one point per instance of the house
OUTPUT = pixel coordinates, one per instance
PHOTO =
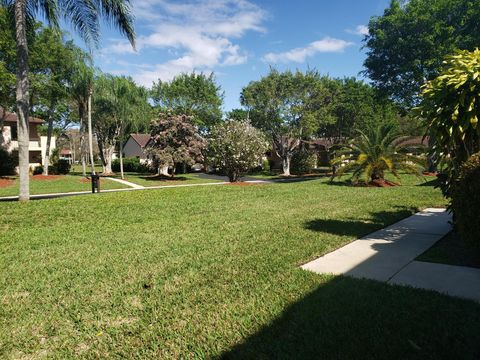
(38, 144)
(136, 146)
(66, 154)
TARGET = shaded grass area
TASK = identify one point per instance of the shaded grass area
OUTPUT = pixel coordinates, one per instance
(58, 183)
(452, 250)
(211, 272)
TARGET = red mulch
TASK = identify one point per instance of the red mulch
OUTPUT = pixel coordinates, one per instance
(6, 182)
(378, 183)
(49, 177)
(426, 173)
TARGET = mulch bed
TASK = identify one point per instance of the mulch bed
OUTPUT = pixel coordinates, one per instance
(49, 177)
(426, 173)
(6, 182)
(377, 183)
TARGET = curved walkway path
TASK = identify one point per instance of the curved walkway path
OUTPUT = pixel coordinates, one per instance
(389, 254)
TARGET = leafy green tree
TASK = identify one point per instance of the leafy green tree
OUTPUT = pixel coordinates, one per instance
(355, 105)
(238, 115)
(236, 147)
(288, 107)
(52, 65)
(120, 106)
(373, 153)
(406, 46)
(175, 140)
(84, 15)
(450, 108)
(195, 95)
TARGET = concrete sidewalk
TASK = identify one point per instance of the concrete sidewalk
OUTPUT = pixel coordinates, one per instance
(388, 255)
(127, 183)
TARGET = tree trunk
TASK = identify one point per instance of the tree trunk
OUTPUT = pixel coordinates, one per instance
(286, 165)
(107, 159)
(90, 135)
(163, 170)
(121, 157)
(46, 161)
(2, 125)
(23, 99)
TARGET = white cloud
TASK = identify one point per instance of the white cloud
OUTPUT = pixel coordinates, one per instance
(359, 30)
(201, 32)
(299, 55)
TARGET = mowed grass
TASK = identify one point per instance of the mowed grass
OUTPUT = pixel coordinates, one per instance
(212, 272)
(148, 180)
(57, 184)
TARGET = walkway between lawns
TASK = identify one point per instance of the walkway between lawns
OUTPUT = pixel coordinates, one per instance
(388, 255)
(136, 188)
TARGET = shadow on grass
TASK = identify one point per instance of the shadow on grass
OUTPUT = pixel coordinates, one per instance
(358, 228)
(348, 318)
(162, 178)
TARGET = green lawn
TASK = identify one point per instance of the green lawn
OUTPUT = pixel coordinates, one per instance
(212, 272)
(62, 183)
(152, 180)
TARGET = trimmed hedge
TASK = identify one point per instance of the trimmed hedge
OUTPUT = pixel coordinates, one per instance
(8, 162)
(466, 201)
(130, 164)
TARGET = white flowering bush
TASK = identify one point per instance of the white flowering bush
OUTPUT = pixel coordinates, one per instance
(235, 147)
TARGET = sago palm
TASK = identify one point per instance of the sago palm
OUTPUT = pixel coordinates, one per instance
(84, 15)
(374, 152)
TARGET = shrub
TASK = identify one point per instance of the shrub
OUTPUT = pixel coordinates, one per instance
(130, 164)
(8, 162)
(450, 108)
(466, 201)
(303, 162)
(37, 170)
(235, 147)
(61, 167)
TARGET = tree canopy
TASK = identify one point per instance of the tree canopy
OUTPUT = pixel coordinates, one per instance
(406, 45)
(195, 95)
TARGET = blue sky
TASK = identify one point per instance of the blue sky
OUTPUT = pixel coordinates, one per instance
(239, 39)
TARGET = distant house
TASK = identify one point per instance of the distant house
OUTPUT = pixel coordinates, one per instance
(66, 154)
(37, 145)
(136, 146)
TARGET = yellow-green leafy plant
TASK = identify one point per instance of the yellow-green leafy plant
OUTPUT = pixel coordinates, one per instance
(450, 107)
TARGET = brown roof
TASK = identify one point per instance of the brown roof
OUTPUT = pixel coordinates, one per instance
(65, 152)
(12, 118)
(141, 139)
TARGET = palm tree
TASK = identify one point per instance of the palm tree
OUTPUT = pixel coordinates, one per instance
(85, 18)
(374, 152)
(80, 84)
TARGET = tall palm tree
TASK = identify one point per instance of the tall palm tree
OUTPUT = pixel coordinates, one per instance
(84, 16)
(374, 152)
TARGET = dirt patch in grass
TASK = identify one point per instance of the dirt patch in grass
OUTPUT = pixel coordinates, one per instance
(6, 182)
(452, 250)
(49, 177)
(377, 183)
(426, 173)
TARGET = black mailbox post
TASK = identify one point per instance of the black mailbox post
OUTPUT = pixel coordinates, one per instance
(95, 183)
